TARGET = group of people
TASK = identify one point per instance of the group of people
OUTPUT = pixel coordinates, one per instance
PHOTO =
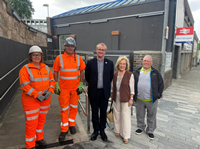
(37, 83)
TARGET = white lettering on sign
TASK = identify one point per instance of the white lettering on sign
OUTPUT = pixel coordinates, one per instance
(185, 31)
(49, 40)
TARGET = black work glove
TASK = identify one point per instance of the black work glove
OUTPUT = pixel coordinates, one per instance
(40, 98)
(46, 95)
(79, 91)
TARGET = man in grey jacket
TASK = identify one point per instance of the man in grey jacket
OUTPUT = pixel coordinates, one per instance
(148, 88)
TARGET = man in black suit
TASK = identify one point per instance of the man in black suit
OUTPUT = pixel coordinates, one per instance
(99, 74)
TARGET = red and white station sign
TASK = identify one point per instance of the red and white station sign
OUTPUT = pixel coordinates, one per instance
(185, 35)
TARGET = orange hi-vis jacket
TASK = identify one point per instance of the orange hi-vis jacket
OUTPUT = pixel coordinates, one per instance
(69, 70)
(34, 81)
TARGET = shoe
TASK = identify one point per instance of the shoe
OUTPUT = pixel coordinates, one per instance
(103, 136)
(139, 131)
(32, 148)
(41, 142)
(116, 134)
(125, 141)
(62, 136)
(150, 136)
(94, 135)
(72, 130)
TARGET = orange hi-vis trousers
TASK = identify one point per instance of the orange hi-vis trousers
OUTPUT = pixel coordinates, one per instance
(35, 114)
(68, 100)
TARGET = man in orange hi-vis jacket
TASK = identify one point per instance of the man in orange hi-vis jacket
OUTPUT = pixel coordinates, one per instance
(37, 84)
(71, 67)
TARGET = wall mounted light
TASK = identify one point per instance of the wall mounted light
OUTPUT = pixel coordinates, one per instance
(98, 21)
(149, 15)
(16, 15)
(62, 25)
(32, 30)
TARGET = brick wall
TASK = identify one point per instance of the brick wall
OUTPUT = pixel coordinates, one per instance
(12, 29)
(139, 55)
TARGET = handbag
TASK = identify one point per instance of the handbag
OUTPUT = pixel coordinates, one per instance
(110, 113)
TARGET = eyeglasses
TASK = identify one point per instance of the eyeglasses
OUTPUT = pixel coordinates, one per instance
(36, 55)
(102, 50)
(146, 61)
(122, 64)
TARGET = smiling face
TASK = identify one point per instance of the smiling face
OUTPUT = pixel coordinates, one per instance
(101, 51)
(122, 65)
(69, 49)
(147, 62)
(36, 57)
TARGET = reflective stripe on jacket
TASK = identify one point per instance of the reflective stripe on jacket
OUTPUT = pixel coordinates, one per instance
(34, 81)
(69, 74)
(69, 67)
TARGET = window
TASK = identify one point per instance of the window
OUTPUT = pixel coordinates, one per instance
(32, 22)
(36, 22)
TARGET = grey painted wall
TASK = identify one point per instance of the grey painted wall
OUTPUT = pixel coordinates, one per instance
(12, 54)
(135, 33)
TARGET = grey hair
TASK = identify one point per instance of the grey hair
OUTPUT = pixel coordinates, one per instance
(148, 56)
(103, 44)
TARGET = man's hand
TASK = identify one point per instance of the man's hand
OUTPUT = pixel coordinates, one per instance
(57, 89)
(80, 88)
(48, 93)
(40, 98)
(159, 96)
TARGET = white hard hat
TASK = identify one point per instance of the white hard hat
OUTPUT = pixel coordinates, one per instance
(70, 41)
(35, 49)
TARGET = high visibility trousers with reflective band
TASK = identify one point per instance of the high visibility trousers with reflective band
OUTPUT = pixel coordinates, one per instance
(35, 114)
(68, 101)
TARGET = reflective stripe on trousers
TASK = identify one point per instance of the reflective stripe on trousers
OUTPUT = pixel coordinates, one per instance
(30, 139)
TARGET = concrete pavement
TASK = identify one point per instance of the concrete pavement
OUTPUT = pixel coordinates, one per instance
(178, 122)
(178, 119)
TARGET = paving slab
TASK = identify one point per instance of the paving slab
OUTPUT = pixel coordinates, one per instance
(178, 122)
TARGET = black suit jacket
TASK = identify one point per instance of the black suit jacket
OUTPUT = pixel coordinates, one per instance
(91, 76)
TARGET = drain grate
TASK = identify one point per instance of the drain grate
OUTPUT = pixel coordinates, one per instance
(55, 144)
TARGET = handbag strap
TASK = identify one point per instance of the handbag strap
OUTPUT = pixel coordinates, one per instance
(111, 105)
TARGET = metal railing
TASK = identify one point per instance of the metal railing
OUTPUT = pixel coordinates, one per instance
(13, 81)
(86, 111)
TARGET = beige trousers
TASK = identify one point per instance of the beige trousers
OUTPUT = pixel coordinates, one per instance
(122, 118)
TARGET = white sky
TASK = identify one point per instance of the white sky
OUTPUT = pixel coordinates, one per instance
(60, 6)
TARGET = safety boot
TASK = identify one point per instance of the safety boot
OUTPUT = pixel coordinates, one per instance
(41, 142)
(62, 136)
(72, 130)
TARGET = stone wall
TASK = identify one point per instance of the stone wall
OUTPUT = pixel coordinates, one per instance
(11, 28)
(139, 55)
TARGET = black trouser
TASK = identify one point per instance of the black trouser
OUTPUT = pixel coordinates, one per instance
(99, 102)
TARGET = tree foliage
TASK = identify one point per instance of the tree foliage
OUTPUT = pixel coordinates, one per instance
(23, 8)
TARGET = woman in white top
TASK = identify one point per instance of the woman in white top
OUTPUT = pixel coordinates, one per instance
(122, 98)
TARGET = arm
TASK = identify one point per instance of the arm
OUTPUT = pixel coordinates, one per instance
(51, 82)
(25, 85)
(160, 85)
(81, 75)
(112, 71)
(131, 84)
(111, 91)
(56, 73)
(87, 72)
